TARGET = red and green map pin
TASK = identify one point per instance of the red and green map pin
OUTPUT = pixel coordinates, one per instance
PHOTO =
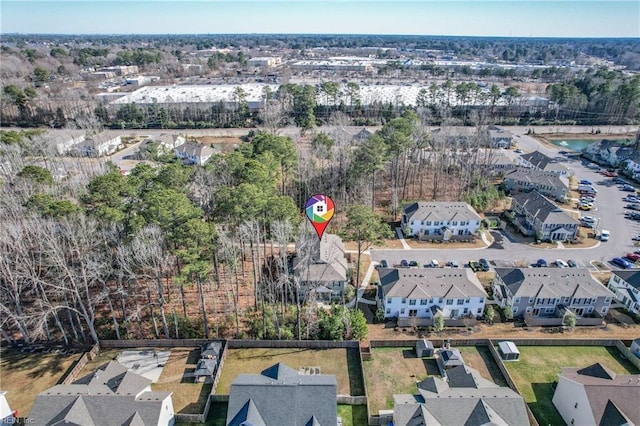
(319, 210)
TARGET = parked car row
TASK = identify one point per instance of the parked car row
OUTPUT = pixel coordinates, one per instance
(541, 263)
(434, 263)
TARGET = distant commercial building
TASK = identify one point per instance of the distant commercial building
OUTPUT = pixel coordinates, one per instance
(264, 61)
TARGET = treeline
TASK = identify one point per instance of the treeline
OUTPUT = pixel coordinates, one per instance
(513, 50)
(174, 251)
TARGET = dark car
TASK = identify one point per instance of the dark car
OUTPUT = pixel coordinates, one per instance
(541, 263)
(628, 188)
(413, 263)
(384, 264)
(404, 263)
(634, 206)
(475, 266)
(624, 264)
(572, 263)
(484, 264)
(452, 264)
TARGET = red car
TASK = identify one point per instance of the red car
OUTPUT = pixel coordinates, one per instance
(633, 257)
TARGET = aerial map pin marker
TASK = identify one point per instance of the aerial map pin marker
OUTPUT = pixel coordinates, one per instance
(319, 210)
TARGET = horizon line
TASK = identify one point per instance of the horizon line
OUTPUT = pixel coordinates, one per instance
(324, 35)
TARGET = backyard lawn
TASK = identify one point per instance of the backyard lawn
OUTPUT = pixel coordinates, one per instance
(392, 371)
(539, 367)
(344, 363)
(396, 371)
(188, 397)
(25, 375)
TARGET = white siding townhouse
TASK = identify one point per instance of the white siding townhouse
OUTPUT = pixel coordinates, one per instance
(547, 183)
(420, 294)
(535, 214)
(432, 218)
(194, 153)
(549, 294)
(626, 286)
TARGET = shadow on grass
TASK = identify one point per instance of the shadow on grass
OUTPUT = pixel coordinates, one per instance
(494, 371)
(356, 381)
(431, 366)
(543, 409)
(617, 355)
(187, 376)
(217, 414)
(409, 353)
(193, 356)
(198, 406)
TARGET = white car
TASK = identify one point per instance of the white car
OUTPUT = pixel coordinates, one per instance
(590, 219)
(561, 263)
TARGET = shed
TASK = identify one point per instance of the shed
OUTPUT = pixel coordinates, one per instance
(211, 350)
(424, 348)
(205, 370)
(509, 351)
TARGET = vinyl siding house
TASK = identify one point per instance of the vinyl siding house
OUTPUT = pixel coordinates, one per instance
(324, 276)
(539, 161)
(112, 396)
(194, 153)
(596, 396)
(105, 143)
(170, 142)
(608, 152)
(500, 138)
(500, 164)
(65, 141)
(543, 296)
(415, 296)
(465, 398)
(626, 287)
(280, 396)
(537, 215)
(430, 219)
(548, 184)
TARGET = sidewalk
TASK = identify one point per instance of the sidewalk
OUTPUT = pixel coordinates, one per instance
(402, 240)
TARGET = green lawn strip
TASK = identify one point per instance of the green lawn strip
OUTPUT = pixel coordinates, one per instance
(353, 415)
(539, 367)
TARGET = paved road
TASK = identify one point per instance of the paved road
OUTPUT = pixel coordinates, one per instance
(609, 212)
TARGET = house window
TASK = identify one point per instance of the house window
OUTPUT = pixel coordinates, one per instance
(515, 311)
(402, 311)
(538, 301)
(440, 300)
(466, 311)
(449, 301)
(404, 300)
(479, 311)
(604, 310)
(454, 223)
(607, 300)
(516, 299)
(575, 406)
(412, 302)
(412, 222)
(388, 300)
(482, 300)
(388, 310)
(566, 300)
(549, 310)
(428, 223)
(590, 309)
(423, 302)
(460, 301)
(528, 309)
(531, 300)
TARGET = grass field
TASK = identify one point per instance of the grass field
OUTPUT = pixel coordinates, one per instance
(344, 363)
(539, 367)
(353, 415)
(396, 371)
(188, 397)
(24, 376)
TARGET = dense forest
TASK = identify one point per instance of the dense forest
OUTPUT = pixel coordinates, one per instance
(175, 251)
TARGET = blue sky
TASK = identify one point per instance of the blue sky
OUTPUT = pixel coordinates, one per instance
(564, 18)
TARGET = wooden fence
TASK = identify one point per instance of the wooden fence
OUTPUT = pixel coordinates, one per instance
(624, 350)
(277, 344)
(84, 359)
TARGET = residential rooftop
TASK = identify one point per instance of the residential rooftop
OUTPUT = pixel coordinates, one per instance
(428, 283)
(440, 211)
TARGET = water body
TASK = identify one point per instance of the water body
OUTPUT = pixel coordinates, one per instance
(576, 144)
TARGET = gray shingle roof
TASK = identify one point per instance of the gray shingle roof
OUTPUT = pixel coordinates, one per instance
(452, 405)
(542, 208)
(195, 149)
(284, 397)
(430, 282)
(211, 350)
(630, 277)
(112, 396)
(552, 282)
(537, 159)
(537, 177)
(328, 262)
(440, 211)
(603, 386)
